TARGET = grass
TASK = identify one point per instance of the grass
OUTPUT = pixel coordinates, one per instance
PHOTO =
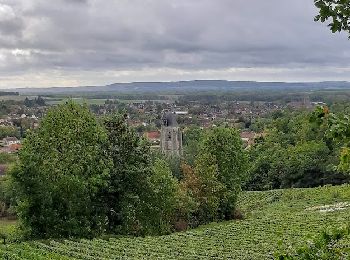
(7, 229)
(274, 220)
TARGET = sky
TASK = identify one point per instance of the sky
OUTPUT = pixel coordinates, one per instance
(97, 42)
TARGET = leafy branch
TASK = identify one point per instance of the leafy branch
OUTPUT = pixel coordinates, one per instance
(335, 11)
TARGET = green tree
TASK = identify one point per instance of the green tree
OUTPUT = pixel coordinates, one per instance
(6, 131)
(142, 196)
(161, 201)
(60, 173)
(265, 166)
(211, 191)
(225, 147)
(337, 11)
(191, 140)
(294, 153)
(338, 129)
(305, 165)
(130, 157)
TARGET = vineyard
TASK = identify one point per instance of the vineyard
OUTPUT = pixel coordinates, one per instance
(273, 220)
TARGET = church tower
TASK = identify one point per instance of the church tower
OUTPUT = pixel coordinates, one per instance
(171, 136)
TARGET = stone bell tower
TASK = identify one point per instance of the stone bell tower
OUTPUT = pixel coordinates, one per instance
(171, 136)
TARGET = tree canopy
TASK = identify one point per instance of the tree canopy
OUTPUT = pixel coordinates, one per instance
(60, 172)
(222, 147)
(338, 129)
(296, 151)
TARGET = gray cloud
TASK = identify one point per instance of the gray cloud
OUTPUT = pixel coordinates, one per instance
(155, 36)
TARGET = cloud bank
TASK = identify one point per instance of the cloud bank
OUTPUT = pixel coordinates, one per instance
(93, 42)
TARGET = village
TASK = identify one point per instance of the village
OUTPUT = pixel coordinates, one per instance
(146, 117)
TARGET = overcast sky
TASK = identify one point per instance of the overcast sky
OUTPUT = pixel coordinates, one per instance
(96, 42)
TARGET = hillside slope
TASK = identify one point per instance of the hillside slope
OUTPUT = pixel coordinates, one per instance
(273, 219)
(188, 86)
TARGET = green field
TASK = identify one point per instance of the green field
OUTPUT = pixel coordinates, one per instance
(99, 101)
(273, 219)
(16, 98)
(77, 100)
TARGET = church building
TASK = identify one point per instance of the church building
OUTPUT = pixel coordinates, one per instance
(171, 136)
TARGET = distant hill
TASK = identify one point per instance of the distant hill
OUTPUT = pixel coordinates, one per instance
(189, 86)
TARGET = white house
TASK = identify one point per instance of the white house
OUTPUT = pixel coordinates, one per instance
(7, 141)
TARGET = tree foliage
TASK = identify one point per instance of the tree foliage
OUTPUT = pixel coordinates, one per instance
(79, 177)
(162, 199)
(305, 165)
(337, 12)
(211, 191)
(34, 102)
(130, 160)
(191, 140)
(6, 131)
(295, 152)
(338, 129)
(60, 172)
(222, 147)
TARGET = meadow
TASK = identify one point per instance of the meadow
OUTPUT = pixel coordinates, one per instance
(273, 220)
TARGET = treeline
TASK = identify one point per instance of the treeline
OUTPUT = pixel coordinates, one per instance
(79, 176)
(110, 96)
(266, 96)
(8, 106)
(282, 96)
(8, 93)
(295, 151)
(39, 101)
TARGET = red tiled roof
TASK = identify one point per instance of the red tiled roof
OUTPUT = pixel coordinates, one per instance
(152, 135)
(15, 147)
